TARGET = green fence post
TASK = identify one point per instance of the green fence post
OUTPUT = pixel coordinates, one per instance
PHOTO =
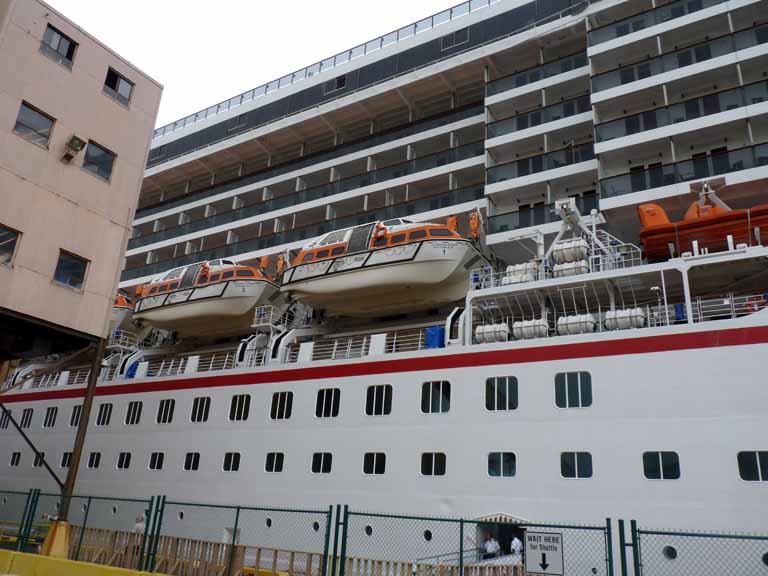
(609, 544)
(336, 540)
(622, 549)
(343, 558)
(636, 548)
(29, 520)
(327, 540)
(160, 512)
(461, 547)
(82, 529)
(234, 542)
(23, 520)
(147, 522)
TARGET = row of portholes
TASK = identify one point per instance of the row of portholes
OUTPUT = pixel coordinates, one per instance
(670, 553)
(427, 533)
(268, 522)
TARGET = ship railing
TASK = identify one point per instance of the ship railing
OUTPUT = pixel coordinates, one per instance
(405, 341)
(485, 278)
(256, 357)
(728, 307)
(123, 339)
(216, 361)
(341, 348)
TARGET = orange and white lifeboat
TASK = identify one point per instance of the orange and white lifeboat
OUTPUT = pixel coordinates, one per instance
(122, 313)
(382, 268)
(216, 297)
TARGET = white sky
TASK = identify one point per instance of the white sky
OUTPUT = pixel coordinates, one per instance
(207, 51)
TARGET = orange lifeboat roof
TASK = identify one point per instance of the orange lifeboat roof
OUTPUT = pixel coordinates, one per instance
(207, 274)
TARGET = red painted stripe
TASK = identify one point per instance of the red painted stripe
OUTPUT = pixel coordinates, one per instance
(643, 345)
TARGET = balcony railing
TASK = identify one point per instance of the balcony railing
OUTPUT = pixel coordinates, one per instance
(538, 215)
(683, 111)
(647, 19)
(402, 210)
(694, 169)
(536, 164)
(540, 116)
(681, 58)
(441, 158)
(532, 75)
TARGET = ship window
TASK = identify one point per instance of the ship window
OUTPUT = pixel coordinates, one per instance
(661, 465)
(15, 459)
(94, 460)
(156, 460)
(5, 419)
(239, 407)
(227, 274)
(435, 397)
(416, 234)
(70, 270)
(440, 232)
(576, 465)
(66, 459)
(244, 273)
(308, 257)
(753, 466)
(274, 462)
(374, 463)
(104, 415)
(153, 290)
(393, 222)
(327, 405)
(231, 461)
(133, 414)
(433, 464)
(202, 280)
(50, 417)
(338, 250)
(174, 286)
(215, 277)
(502, 464)
(26, 417)
(74, 418)
(124, 461)
(397, 238)
(323, 254)
(501, 393)
(201, 406)
(282, 403)
(573, 390)
(378, 401)
(321, 462)
(191, 461)
(165, 411)
(38, 461)
(163, 288)
(380, 242)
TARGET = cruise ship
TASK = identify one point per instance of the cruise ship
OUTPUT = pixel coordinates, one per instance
(509, 259)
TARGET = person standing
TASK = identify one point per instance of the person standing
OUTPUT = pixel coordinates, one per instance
(516, 547)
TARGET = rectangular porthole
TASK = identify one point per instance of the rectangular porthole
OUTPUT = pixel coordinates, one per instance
(282, 405)
(327, 404)
(573, 390)
(576, 465)
(661, 465)
(191, 461)
(502, 464)
(231, 462)
(436, 397)
(50, 417)
(378, 400)
(133, 413)
(321, 462)
(165, 411)
(274, 462)
(374, 463)
(201, 407)
(501, 393)
(104, 415)
(433, 464)
(239, 407)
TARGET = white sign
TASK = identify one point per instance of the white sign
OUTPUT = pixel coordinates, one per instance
(544, 553)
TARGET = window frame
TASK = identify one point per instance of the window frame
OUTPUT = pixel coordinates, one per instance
(94, 460)
(371, 390)
(96, 173)
(87, 269)
(53, 53)
(510, 380)
(51, 413)
(16, 243)
(576, 467)
(108, 408)
(762, 470)
(322, 402)
(114, 93)
(26, 418)
(428, 387)
(15, 460)
(660, 454)
(66, 460)
(276, 403)
(581, 386)
(156, 458)
(324, 456)
(239, 408)
(434, 456)
(200, 410)
(75, 415)
(501, 455)
(376, 458)
(23, 135)
(192, 458)
(123, 461)
(133, 415)
(165, 411)
(234, 462)
(276, 457)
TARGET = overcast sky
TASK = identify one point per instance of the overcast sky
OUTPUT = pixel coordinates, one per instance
(204, 52)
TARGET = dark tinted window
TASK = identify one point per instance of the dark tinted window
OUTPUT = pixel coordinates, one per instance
(245, 273)
(416, 234)
(374, 463)
(118, 87)
(33, 125)
(8, 241)
(99, 161)
(274, 462)
(661, 465)
(327, 404)
(228, 274)
(753, 466)
(573, 390)
(397, 238)
(323, 254)
(440, 232)
(378, 400)
(380, 242)
(58, 46)
(215, 277)
(501, 393)
(321, 462)
(502, 464)
(576, 465)
(435, 397)
(433, 464)
(70, 270)
(308, 257)
(338, 250)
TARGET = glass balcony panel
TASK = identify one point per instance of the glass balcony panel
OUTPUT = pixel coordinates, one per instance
(535, 74)
(535, 164)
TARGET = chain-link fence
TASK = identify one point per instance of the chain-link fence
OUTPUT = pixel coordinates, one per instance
(14, 509)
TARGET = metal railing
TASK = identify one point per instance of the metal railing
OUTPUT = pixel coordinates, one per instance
(541, 163)
(539, 116)
(538, 215)
(547, 70)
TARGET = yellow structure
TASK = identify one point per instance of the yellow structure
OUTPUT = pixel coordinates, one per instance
(20, 564)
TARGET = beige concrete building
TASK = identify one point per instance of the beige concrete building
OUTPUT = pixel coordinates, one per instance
(75, 126)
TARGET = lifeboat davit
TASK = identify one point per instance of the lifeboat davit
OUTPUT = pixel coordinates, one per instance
(216, 297)
(707, 223)
(382, 268)
(122, 313)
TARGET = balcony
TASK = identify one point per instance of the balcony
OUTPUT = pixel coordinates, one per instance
(548, 70)
(681, 58)
(683, 111)
(684, 171)
(542, 163)
(539, 116)
(402, 210)
(442, 158)
(647, 19)
(537, 216)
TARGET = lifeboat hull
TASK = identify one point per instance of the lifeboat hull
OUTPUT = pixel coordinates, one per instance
(225, 308)
(386, 281)
(709, 232)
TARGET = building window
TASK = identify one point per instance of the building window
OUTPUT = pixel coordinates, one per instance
(282, 403)
(231, 461)
(435, 397)
(165, 411)
(39, 458)
(15, 459)
(661, 465)
(501, 393)
(191, 461)
(94, 460)
(239, 407)
(58, 46)
(118, 87)
(5, 419)
(156, 460)
(50, 417)
(321, 462)
(433, 464)
(133, 414)
(201, 406)
(104, 415)
(378, 401)
(123, 460)
(26, 417)
(70, 270)
(236, 122)
(337, 83)
(576, 464)
(66, 459)
(502, 464)
(9, 239)
(274, 462)
(374, 463)
(33, 125)
(327, 405)
(573, 390)
(99, 161)
(753, 466)
(74, 417)
(454, 39)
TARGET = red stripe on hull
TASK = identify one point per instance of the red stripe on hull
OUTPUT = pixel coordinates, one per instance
(643, 345)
